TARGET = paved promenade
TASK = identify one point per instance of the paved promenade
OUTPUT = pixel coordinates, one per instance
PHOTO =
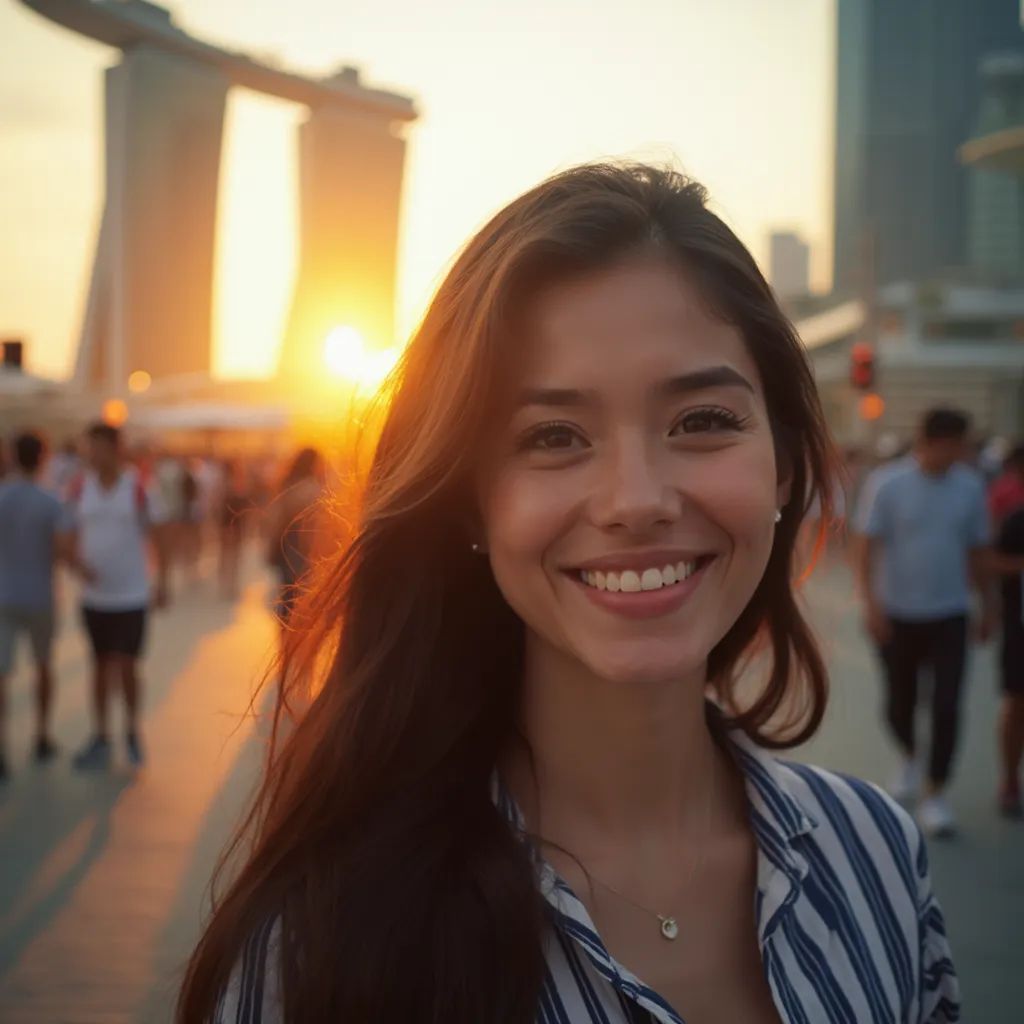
(102, 876)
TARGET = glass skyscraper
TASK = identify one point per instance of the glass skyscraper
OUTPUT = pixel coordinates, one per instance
(996, 197)
(907, 96)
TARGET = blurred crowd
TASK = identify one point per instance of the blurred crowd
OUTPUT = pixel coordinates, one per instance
(136, 527)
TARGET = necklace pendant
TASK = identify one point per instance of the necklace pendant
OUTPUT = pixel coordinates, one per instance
(669, 928)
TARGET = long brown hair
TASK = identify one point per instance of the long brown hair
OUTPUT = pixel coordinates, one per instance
(402, 894)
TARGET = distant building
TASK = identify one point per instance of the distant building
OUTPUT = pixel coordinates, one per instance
(789, 259)
(907, 94)
(955, 344)
(350, 167)
(150, 302)
(996, 226)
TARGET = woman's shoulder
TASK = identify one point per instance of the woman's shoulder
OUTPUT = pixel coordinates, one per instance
(830, 807)
(253, 992)
(856, 819)
(867, 861)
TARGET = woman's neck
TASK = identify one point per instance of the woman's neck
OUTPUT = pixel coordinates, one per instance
(608, 761)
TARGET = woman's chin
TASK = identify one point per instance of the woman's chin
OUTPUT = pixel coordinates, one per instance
(639, 668)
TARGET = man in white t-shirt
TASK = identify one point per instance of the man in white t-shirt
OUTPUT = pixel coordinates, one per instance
(114, 517)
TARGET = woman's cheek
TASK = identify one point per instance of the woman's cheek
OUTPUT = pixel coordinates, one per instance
(738, 490)
(526, 511)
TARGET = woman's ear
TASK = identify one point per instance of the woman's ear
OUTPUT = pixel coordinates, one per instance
(782, 492)
(473, 528)
(784, 487)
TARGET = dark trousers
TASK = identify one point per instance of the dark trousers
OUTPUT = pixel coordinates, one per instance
(942, 645)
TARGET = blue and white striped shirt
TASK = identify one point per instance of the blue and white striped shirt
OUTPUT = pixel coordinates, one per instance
(848, 927)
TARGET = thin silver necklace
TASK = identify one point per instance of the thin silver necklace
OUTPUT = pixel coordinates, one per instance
(667, 923)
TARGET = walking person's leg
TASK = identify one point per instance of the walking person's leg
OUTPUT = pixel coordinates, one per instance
(230, 543)
(192, 547)
(8, 634)
(101, 671)
(901, 657)
(3, 726)
(1011, 753)
(41, 634)
(96, 752)
(1011, 720)
(947, 652)
(131, 638)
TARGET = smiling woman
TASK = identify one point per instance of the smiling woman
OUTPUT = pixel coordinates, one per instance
(527, 789)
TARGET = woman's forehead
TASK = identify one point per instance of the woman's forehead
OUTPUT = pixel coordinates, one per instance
(641, 318)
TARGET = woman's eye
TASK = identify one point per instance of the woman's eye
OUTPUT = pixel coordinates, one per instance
(702, 421)
(551, 437)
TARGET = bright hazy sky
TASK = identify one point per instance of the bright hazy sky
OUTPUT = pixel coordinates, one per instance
(738, 93)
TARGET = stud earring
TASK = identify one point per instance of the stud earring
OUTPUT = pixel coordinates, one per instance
(778, 515)
(475, 548)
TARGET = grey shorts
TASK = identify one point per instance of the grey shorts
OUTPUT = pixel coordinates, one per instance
(36, 622)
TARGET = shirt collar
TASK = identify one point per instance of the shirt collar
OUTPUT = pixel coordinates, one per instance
(770, 790)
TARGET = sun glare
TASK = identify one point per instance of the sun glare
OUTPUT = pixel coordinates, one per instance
(347, 357)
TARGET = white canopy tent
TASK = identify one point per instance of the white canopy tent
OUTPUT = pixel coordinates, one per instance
(212, 416)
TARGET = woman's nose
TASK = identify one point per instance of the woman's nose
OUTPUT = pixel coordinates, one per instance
(634, 490)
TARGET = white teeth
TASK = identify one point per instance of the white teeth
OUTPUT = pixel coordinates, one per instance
(631, 581)
(684, 569)
(651, 579)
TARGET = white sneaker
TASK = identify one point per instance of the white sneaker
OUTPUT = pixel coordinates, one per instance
(906, 785)
(935, 817)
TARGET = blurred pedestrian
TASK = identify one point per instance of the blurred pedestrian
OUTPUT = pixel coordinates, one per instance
(168, 473)
(192, 521)
(290, 544)
(111, 517)
(889, 446)
(1006, 493)
(64, 465)
(234, 507)
(1009, 563)
(924, 539)
(29, 523)
(991, 456)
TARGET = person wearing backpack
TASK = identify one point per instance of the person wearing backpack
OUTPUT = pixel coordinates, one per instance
(111, 519)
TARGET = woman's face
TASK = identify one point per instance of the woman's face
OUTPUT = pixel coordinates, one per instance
(628, 497)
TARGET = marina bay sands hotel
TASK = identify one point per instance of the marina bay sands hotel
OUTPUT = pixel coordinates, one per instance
(150, 299)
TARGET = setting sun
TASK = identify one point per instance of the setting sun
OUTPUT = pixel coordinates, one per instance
(347, 357)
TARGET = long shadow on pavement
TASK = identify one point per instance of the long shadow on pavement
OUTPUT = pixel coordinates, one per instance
(181, 932)
(58, 843)
(58, 821)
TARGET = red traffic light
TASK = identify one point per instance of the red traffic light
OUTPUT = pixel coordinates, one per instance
(862, 366)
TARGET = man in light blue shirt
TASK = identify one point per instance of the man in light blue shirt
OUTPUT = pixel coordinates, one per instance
(29, 521)
(924, 526)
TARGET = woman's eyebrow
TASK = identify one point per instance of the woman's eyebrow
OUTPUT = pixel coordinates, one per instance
(710, 377)
(698, 380)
